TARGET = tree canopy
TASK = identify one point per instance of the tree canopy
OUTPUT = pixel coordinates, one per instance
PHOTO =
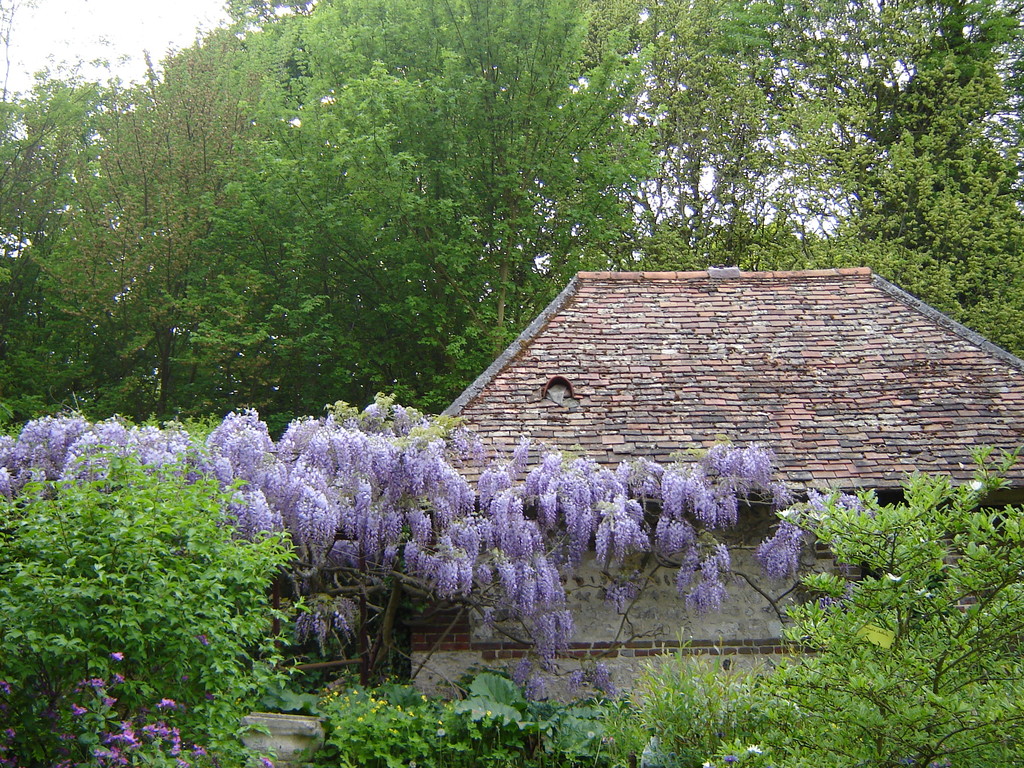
(323, 201)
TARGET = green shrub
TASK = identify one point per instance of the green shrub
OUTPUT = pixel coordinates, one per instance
(919, 662)
(684, 708)
(126, 600)
(365, 728)
(495, 726)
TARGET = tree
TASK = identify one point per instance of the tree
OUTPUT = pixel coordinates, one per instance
(133, 618)
(437, 172)
(715, 111)
(916, 661)
(834, 134)
(133, 266)
(902, 142)
(42, 138)
(8, 11)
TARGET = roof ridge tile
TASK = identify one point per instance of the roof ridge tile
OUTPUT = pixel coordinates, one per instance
(692, 275)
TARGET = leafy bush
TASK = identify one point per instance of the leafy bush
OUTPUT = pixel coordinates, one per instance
(684, 708)
(918, 662)
(131, 614)
(396, 726)
(740, 754)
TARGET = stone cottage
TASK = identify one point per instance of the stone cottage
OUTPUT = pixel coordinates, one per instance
(851, 381)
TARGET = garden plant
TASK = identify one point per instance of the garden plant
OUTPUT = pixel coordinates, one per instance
(378, 512)
(394, 726)
(914, 658)
(134, 620)
(137, 562)
(911, 649)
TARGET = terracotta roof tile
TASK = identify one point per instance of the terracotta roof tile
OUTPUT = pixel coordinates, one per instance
(850, 380)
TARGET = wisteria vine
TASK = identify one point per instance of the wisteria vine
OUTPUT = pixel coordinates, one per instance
(383, 497)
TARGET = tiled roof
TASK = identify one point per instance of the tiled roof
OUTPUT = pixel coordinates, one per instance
(851, 381)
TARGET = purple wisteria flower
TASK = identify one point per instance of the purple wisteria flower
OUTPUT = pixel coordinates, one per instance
(239, 447)
(780, 554)
(6, 450)
(43, 445)
(535, 688)
(7, 484)
(710, 591)
(621, 530)
(603, 679)
(575, 680)
(621, 593)
(522, 671)
(363, 496)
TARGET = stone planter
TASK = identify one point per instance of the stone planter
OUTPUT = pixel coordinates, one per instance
(292, 739)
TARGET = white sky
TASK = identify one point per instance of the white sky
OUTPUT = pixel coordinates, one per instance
(54, 31)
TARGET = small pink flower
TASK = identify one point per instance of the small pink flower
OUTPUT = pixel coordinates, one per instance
(117, 656)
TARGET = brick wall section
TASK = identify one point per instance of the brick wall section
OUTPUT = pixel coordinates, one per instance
(442, 634)
(444, 631)
(638, 649)
(850, 381)
(439, 638)
(746, 629)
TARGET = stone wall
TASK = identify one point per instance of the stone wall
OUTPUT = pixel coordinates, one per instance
(746, 630)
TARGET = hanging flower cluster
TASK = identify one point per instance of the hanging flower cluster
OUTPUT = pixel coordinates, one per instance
(780, 554)
(69, 447)
(382, 494)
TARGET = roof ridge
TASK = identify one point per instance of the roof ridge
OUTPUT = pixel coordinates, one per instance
(768, 275)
